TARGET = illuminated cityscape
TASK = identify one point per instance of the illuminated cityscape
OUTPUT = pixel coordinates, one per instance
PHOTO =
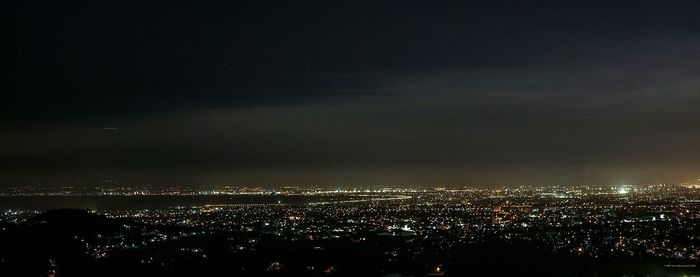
(350, 138)
(411, 231)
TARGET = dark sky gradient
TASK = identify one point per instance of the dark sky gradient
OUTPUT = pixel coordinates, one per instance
(344, 92)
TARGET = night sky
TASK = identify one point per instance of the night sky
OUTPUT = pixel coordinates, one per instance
(351, 92)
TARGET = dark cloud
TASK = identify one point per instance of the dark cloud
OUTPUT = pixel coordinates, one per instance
(355, 93)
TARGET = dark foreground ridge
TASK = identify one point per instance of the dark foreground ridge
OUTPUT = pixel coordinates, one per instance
(58, 243)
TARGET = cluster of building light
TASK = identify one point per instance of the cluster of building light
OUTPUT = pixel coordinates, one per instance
(595, 221)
